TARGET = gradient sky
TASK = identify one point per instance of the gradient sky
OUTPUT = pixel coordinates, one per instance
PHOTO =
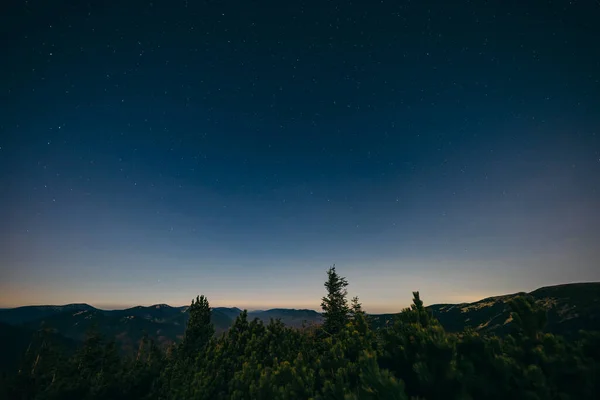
(152, 151)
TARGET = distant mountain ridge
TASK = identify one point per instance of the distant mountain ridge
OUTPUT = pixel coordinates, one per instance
(24, 314)
(570, 307)
(163, 323)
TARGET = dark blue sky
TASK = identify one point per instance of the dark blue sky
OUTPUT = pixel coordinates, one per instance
(151, 151)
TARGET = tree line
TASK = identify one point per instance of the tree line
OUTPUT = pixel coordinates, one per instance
(344, 358)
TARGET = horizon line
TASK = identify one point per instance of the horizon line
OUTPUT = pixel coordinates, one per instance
(113, 307)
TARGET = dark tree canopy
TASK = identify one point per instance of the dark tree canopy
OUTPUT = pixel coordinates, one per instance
(199, 329)
(345, 358)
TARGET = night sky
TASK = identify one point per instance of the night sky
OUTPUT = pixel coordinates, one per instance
(152, 151)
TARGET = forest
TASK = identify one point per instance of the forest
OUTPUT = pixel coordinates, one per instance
(345, 357)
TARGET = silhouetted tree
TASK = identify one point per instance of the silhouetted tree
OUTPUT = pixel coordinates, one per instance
(199, 328)
(414, 358)
(334, 304)
(355, 306)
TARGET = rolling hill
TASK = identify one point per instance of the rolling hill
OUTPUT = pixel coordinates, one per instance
(20, 315)
(163, 323)
(569, 308)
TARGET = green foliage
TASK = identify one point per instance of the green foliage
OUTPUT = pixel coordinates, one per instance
(413, 358)
(529, 319)
(177, 378)
(377, 383)
(334, 304)
(199, 328)
(418, 350)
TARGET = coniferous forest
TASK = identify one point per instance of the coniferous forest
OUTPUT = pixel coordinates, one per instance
(344, 358)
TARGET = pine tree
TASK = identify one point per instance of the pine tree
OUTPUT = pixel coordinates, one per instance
(177, 378)
(356, 307)
(335, 305)
(199, 328)
(414, 358)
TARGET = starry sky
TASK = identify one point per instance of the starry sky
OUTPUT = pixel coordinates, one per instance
(155, 150)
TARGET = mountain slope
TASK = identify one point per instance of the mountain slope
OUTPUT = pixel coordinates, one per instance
(162, 323)
(290, 317)
(25, 314)
(569, 307)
